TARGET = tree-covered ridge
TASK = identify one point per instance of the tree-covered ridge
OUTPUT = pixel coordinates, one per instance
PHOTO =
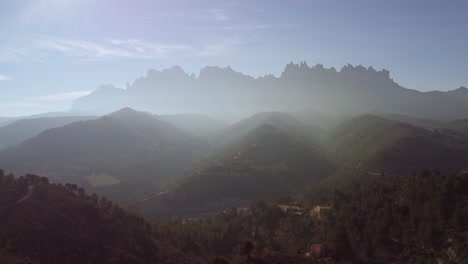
(54, 223)
(266, 164)
(379, 144)
(416, 218)
(261, 233)
(368, 146)
(419, 218)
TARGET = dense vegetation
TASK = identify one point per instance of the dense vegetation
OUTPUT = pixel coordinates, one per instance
(258, 234)
(54, 223)
(419, 218)
(368, 146)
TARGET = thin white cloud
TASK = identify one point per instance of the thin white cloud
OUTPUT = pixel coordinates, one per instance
(68, 96)
(4, 77)
(20, 50)
(110, 49)
(42, 48)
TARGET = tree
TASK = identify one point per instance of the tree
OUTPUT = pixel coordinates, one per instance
(247, 249)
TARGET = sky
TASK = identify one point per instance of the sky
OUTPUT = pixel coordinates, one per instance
(54, 51)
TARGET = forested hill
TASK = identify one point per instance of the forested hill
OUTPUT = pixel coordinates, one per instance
(268, 163)
(54, 223)
(415, 218)
(418, 218)
(379, 144)
(120, 155)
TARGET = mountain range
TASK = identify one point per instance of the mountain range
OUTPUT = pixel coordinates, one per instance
(191, 164)
(349, 91)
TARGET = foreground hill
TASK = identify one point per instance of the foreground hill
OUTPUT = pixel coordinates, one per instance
(24, 129)
(352, 90)
(267, 164)
(49, 223)
(120, 155)
(416, 218)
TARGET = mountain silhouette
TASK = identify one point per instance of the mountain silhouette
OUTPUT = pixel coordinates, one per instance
(353, 90)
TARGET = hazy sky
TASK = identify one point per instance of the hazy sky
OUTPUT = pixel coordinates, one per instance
(52, 51)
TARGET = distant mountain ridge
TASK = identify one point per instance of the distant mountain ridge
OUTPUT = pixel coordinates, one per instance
(353, 90)
(122, 154)
(369, 146)
(24, 129)
(285, 122)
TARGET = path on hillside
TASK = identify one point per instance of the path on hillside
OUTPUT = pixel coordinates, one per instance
(24, 198)
(30, 191)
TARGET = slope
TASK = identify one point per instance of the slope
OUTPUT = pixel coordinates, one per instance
(62, 224)
(460, 126)
(285, 122)
(199, 125)
(121, 155)
(24, 129)
(368, 146)
(266, 164)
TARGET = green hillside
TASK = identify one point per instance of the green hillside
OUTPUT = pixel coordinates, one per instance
(266, 164)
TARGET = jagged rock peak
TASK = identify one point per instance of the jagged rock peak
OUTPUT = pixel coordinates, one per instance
(219, 72)
(175, 70)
